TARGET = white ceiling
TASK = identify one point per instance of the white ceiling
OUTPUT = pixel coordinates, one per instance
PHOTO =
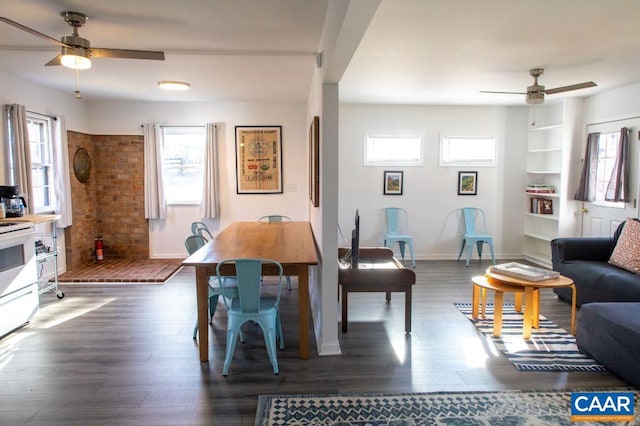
(414, 51)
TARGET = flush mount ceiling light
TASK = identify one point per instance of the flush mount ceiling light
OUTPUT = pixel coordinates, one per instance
(173, 85)
(76, 58)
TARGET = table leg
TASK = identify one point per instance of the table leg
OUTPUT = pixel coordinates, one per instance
(388, 296)
(484, 302)
(573, 309)
(202, 299)
(345, 295)
(518, 302)
(536, 308)
(528, 312)
(303, 310)
(497, 313)
(475, 301)
(407, 310)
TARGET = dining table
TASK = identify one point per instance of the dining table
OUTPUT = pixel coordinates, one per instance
(292, 244)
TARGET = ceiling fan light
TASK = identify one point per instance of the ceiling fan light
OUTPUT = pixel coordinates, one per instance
(173, 85)
(77, 59)
(535, 98)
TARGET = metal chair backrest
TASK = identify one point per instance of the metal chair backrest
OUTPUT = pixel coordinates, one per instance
(393, 219)
(199, 228)
(193, 242)
(470, 215)
(249, 280)
(275, 218)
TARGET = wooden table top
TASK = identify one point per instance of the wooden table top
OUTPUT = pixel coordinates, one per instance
(561, 281)
(290, 243)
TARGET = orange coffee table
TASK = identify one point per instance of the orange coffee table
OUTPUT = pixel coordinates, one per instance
(532, 296)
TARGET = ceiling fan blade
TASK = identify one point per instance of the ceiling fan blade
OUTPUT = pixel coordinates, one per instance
(97, 52)
(54, 61)
(571, 87)
(504, 93)
(31, 31)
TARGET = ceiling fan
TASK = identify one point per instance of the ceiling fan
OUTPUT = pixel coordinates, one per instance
(76, 51)
(535, 93)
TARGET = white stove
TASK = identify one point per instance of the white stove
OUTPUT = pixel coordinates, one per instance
(14, 226)
(18, 276)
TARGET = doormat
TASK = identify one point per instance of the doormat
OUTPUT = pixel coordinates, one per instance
(439, 408)
(136, 271)
(550, 348)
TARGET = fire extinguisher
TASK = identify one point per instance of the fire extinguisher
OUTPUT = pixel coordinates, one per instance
(99, 242)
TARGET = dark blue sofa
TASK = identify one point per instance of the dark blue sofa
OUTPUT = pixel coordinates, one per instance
(608, 327)
(584, 260)
(610, 334)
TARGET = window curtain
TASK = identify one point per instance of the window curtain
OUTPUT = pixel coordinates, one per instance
(587, 186)
(617, 189)
(209, 207)
(19, 159)
(61, 174)
(155, 206)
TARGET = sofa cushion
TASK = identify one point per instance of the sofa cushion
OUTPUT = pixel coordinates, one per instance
(598, 282)
(626, 254)
(610, 334)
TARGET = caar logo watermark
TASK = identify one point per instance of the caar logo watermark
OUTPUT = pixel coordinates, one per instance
(602, 406)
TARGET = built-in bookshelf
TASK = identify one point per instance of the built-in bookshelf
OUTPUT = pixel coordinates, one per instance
(545, 207)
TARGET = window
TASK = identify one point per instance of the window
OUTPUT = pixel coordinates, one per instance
(607, 149)
(39, 129)
(392, 151)
(468, 151)
(182, 168)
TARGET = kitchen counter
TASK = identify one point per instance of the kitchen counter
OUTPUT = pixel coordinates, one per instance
(33, 218)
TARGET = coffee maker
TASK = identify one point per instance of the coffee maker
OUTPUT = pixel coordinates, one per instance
(14, 204)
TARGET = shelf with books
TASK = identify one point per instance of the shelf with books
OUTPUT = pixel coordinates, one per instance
(547, 211)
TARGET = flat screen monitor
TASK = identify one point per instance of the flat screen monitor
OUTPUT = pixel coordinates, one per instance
(355, 242)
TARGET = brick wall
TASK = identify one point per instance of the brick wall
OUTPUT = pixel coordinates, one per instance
(80, 236)
(120, 196)
(111, 203)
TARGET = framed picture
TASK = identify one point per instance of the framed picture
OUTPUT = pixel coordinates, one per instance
(393, 182)
(259, 159)
(467, 183)
(314, 161)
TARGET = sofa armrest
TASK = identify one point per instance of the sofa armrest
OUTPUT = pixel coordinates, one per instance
(587, 248)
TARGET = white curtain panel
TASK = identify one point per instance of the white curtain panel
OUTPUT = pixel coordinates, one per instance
(61, 175)
(155, 206)
(20, 160)
(209, 207)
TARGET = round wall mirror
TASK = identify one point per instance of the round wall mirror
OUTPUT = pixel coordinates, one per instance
(82, 165)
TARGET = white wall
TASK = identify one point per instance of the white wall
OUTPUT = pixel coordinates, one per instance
(43, 100)
(167, 235)
(430, 191)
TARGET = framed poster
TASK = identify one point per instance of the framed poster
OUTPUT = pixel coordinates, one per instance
(393, 182)
(259, 159)
(467, 183)
(314, 161)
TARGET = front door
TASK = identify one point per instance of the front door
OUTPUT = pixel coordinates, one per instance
(601, 219)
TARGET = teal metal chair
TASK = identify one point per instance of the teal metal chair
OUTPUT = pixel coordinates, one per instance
(471, 236)
(199, 228)
(251, 305)
(278, 218)
(192, 243)
(275, 218)
(393, 235)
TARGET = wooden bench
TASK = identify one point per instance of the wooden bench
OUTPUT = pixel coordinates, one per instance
(378, 271)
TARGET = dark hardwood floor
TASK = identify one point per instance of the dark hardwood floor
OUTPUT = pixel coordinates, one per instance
(123, 355)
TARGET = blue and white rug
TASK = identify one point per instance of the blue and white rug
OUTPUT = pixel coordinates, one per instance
(531, 408)
(550, 348)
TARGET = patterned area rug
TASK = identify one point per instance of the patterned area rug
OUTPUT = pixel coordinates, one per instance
(152, 271)
(534, 408)
(550, 348)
